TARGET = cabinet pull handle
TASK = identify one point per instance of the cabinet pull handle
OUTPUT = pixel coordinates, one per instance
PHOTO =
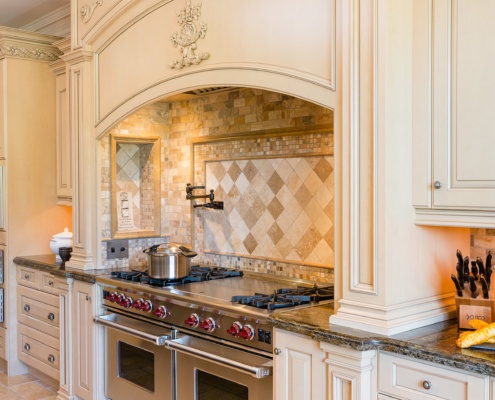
(27, 347)
(51, 316)
(277, 351)
(427, 385)
(51, 358)
(437, 184)
(27, 308)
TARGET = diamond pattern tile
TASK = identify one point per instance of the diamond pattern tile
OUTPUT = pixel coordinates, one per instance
(279, 208)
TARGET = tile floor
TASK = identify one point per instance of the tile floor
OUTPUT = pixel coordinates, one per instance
(24, 387)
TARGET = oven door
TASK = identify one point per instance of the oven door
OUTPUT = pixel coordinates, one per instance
(207, 370)
(138, 365)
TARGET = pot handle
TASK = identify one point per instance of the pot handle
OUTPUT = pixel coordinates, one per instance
(152, 249)
(187, 252)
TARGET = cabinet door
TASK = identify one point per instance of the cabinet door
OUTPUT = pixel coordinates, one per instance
(454, 120)
(64, 178)
(83, 335)
(299, 368)
(463, 98)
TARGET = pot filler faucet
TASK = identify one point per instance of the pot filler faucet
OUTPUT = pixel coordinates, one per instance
(216, 205)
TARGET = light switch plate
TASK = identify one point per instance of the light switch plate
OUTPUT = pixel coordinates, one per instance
(118, 248)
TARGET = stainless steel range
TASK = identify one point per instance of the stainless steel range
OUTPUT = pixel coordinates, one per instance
(201, 336)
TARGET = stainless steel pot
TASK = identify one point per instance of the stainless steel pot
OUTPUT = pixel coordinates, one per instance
(170, 262)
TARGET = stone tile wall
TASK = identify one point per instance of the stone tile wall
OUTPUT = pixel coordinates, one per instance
(241, 111)
(482, 240)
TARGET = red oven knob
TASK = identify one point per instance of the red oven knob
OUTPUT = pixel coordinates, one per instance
(126, 302)
(160, 312)
(118, 297)
(138, 304)
(234, 329)
(207, 324)
(247, 332)
(147, 306)
(192, 320)
(111, 297)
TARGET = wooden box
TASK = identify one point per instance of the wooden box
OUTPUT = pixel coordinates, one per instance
(479, 308)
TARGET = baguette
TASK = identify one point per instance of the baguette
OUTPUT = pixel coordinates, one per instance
(477, 337)
(463, 334)
(477, 323)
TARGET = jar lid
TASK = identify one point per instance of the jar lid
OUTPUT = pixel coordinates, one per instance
(64, 235)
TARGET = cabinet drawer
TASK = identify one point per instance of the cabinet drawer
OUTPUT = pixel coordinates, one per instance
(41, 353)
(410, 380)
(39, 310)
(50, 284)
(28, 277)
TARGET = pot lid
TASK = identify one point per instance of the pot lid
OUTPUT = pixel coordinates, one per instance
(170, 248)
(63, 235)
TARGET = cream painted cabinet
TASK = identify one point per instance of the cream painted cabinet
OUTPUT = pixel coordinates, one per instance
(40, 322)
(63, 138)
(350, 374)
(299, 369)
(83, 339)
(409, 379)
(454, 119)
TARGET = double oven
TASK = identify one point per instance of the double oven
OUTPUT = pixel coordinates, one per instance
(192, 340)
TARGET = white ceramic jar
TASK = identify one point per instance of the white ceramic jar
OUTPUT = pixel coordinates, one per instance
(62, 239)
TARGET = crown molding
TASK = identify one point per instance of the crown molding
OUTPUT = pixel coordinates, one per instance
(28, 45)
(55, 23)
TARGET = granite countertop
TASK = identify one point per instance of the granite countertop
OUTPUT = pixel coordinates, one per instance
(48, 263)
(434, 343)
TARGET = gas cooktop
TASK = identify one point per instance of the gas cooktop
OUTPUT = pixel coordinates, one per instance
(230, 288)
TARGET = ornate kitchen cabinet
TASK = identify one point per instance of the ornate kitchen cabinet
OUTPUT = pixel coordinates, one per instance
(56, 333)
(39, 321)
(405, 378)
(453, 118)
(299, 369)
(63, 138)
(84, 340)
(307, 369)
(350, 374)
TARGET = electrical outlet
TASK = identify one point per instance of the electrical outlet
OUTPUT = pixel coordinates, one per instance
(117, 249)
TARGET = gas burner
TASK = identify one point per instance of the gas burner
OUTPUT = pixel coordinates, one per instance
(282, 298)
(134, 276)
(197, 274)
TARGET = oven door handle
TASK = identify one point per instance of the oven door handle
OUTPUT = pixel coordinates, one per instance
(259, 371)
(134, 328)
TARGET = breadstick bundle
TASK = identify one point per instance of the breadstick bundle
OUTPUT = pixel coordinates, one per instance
(484, 333)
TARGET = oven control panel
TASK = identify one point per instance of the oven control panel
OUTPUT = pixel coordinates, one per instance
(182, 315)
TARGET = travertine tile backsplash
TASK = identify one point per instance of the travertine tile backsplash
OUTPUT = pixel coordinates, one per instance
(182, 125)
(482, 240)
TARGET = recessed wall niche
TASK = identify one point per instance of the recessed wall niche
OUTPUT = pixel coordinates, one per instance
(135, 171)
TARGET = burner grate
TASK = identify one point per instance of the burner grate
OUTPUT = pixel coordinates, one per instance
(197, 274)
(287, 297)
